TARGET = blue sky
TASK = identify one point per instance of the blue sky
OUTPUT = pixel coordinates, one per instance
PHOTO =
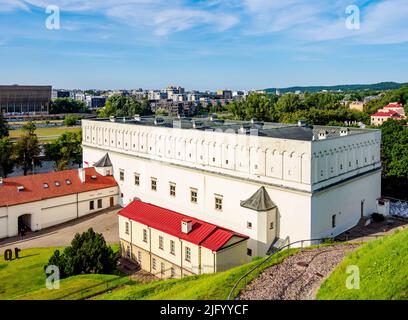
(205, 45)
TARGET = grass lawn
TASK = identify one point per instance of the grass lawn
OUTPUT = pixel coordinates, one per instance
(210, 286)
(43, 133)
(383, 266)
(24, 278)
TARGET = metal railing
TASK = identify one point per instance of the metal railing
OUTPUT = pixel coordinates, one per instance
(331, 239)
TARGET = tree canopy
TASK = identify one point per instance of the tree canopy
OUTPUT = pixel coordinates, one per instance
(67, 105)
(122, 106)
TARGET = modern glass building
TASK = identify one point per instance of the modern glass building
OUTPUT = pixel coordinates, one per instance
(16, 99)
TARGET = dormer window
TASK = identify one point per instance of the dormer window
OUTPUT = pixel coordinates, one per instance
(68, 182)
(57, 183)
(45, 185)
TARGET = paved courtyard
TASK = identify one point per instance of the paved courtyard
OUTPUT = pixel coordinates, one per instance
(105, 222)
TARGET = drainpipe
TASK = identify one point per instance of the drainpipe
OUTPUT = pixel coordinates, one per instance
(181, 257)
(150, 248)
(214, 262)
(77, 205)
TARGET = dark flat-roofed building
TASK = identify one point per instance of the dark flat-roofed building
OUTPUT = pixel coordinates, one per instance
(16, 99)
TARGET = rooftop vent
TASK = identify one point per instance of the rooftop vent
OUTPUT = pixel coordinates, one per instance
(137, 117)
(112, 118)
(213, 117)
(301, 123)
(344, 132)
(20, 188)
(93, 177)
(197, 123)
(186, 226)
(57, 183)
(45, 185)
(244, 128)
(322, 134)
(68, 182)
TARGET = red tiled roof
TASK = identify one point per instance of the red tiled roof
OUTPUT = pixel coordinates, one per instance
(389, 113)
(394, 105)
(203, 233)
(34, 186)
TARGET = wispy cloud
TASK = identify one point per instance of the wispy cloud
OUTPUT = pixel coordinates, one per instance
(10, 5)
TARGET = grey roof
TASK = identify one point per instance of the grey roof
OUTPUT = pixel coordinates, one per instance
(103, 162)
(264, 129)
(259, 201)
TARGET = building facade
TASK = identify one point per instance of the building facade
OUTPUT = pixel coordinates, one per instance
(44, 200)
(267, 181)
(16, 99)
(171, 245)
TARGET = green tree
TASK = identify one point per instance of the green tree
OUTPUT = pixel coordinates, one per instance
(67, 105)
(27, 149)
(70, 120)
(88, 253)
(65, 150)
(4, 131)
(122, 106)
(6, 157)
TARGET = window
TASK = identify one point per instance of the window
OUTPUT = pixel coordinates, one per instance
(137, 179)
(218, 203)
(333, 221)
(154, 263)
(172, 189)
(127, 227)
(99, 203)
(249, 252)
(213, 159)
(349, 163)
(172, 272)
(341, 167)
(271, 226)
(188, 254)
(256, 167)
(121, 175)
(154, 184)
(144, 235)
(226, 161)
(68, 182)
(57, 183)
(121, 195)
(161, 242)
(172, 250)
(91, 205)
(193, 195)
(249, 225)
(162, 268)
(139, 256)
(45, 185)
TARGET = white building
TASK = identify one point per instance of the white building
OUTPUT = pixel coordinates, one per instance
(172, 245)
(44, 200)
(267, 181)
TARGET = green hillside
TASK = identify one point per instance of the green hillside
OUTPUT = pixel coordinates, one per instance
(383, 267)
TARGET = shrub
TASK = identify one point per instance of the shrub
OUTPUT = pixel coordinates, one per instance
(88, 253)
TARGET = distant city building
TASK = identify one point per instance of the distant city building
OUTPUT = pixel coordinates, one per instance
(61, 94)
(95, 102)
(156, 95)
(224, 94)
(357, 105)
(393, 110)
(17, 100)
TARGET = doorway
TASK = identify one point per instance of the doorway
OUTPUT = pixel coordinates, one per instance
(24, 224)
(111, 202)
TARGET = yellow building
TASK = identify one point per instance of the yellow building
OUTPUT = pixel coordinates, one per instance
(172, 245)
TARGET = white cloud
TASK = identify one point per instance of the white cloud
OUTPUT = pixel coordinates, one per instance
(11, 5)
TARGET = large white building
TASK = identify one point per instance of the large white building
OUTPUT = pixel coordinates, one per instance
(267, 181)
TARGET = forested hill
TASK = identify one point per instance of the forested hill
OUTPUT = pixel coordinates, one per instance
(345, 87)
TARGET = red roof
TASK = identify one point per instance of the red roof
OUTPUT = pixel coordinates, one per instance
(203, 233)
(394, 105)
(34, 189)
(389, 113)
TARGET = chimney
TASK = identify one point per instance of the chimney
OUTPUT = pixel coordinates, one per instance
(81, 174)
(186, 226)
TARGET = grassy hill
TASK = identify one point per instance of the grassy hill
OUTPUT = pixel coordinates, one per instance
(383, 266)
(24, 278)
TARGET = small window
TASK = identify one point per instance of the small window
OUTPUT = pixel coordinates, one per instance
(172, 272)
(144, 235)
(188, 254)
(45, 185)
(271, 226)
(218, 203)
(57, 183)
(256, 167)
(333, 221)
(154, 184)
(349, 163)
(172, 189)
(99, 203)
(172, 249)
(139, 256)
(162, 268)
(127, 227)
(160, 242)
(137, 179)
(154, 263)
(193, 195)
(121, 195)
(68, 182)
(91, 205)
(321, 173)
(249, 252)
(121, 175)
(341, 167)
(226, 161)
(249, 225)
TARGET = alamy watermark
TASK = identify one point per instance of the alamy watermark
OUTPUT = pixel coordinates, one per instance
(353, 18)
(53, 21)
(353, 280)
(53, 280)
